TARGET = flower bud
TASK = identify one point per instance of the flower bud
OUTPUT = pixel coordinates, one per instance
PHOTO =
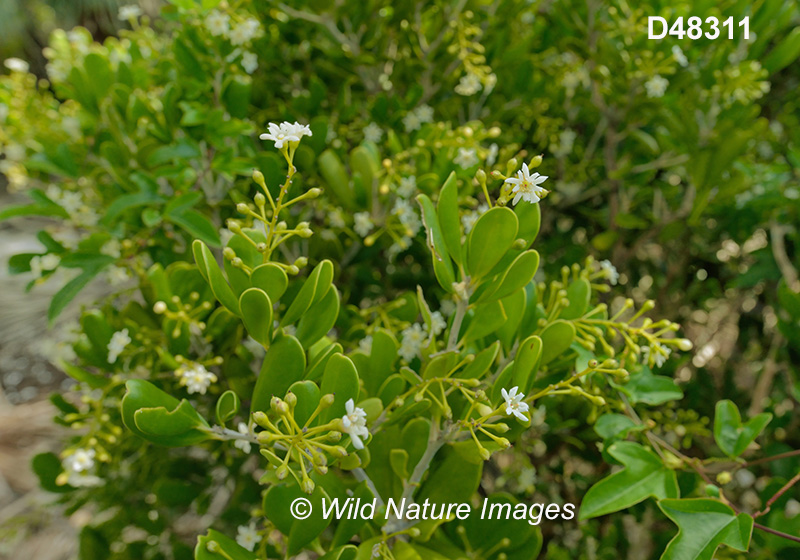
(501, 428)
(536, 161)
(282, 472)
(307, 486)
(242, 208)
(234, 226)
(292, 269)
(229, 253)
(258, 177)
(504, 443)
(265, 437)
(314, 193)
(511, 166)
(334, 436)
(291, 399)
(480, 175)
(724, 477)
(494, 132)
(339, 451)
(685, 344)
(326, 400)
(260, 200)
(484, 453)
(237, 262)
(301, 262)
(483, 409)
(414, 532)
(159, 307)
(279, 406)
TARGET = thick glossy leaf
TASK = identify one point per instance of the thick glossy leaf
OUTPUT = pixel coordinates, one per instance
(644, 387)
(486, 319)
(213, 275)
(341, 379)
(526, 362)
(614, 425)
(299, 532)
(481, 364)
(319, 319)
(450, 479)
(335, 175)
(314, 289)
(256, 312)
(530, 219)
(284, 363)
(381, 360)
(47, 466)
(731, 435)
(228, 406)
(579, 293)
(156, 416)
(347, 552)
(442, 265)
(69, 291)
(226, 544)
(703, 525)
(307, 394)
(514, 308)
(644, 476)
(490, 238)
(519, 274)
(271, 278)
(556, 339)
(449, 221)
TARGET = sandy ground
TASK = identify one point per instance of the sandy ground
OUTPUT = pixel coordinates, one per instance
(30, 526)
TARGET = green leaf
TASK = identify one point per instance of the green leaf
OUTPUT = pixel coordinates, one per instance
(307, 393)
(526, 362)
(614, 425)
(644, 476)
(335, 175)
(381, 360)
(226, 544)
(196, 225)
(32, 210)
(703, 525)
(530, 219)
(481, 364)
(299, 532)
(271, 278)
(579, 293)
(490, 238)
(442, 265)
(340, 379)
(486, 319)
(730, 434)
(314, 289)
(71, 289)
(47, 466)
(450, 479)
(256, 312)
(644, 387)
(518, 275)
(449, 221)
(154, 415)
(556, 339)
(319, 319)
(210, 271)
(228, 406)
(283, 364)
(784, 54)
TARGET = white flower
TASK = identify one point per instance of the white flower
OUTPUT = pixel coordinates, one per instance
(218, 23)
(286, 132)
(336, 219)
(469, 84)
(373, 133)
(408, 186)
(83, 480)
(80, 461)
(413, 337)
(447, 307)
(363, 223)
(129, 12)
(411, 122)
(50, 261)
(514, 404)
(656, 86)
(610, 271)
(243, 444)
(526, 186)
(491, 156)
(16, 65)
(466, 158)
(405, 212)
(44, 263)
(244, 32)
(119, 340)
(249, 62)
(424, 113)
(117, 275)
(656, 354)
(437, 323)
(248, 536)
(112, 248)
(365, 345)
(354, 424)
(678, 55)
(196, 378)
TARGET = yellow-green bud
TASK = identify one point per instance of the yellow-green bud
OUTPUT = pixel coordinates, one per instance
(483, 409)
(326, 400)
(159, 307)
(292, 269)
(258, 177)
(314, 193)
(282, 472)
(685, 344)
(266, 437)
(502, 427)
(504, 443)
(307, 486)
(334, 436)
(279, 406)
(301, 262)
(536, 161)
(260, 200)
(484, 453)
(494, 132)
(229, 253)
(724, 477)
(237, 263)
(291, 399)
(242, 208)
(339, 451)
(414, 532)
(234, 226)
(480, 175)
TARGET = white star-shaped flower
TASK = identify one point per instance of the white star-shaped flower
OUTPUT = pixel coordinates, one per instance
(354, 424)
(514, 404)
(526, 186)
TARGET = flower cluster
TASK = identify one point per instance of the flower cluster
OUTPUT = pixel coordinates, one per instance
(286, 133)
(119, 341)
(354, 424)
(195, 377)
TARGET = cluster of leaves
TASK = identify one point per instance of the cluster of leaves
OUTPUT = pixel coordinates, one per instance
(142, 147)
